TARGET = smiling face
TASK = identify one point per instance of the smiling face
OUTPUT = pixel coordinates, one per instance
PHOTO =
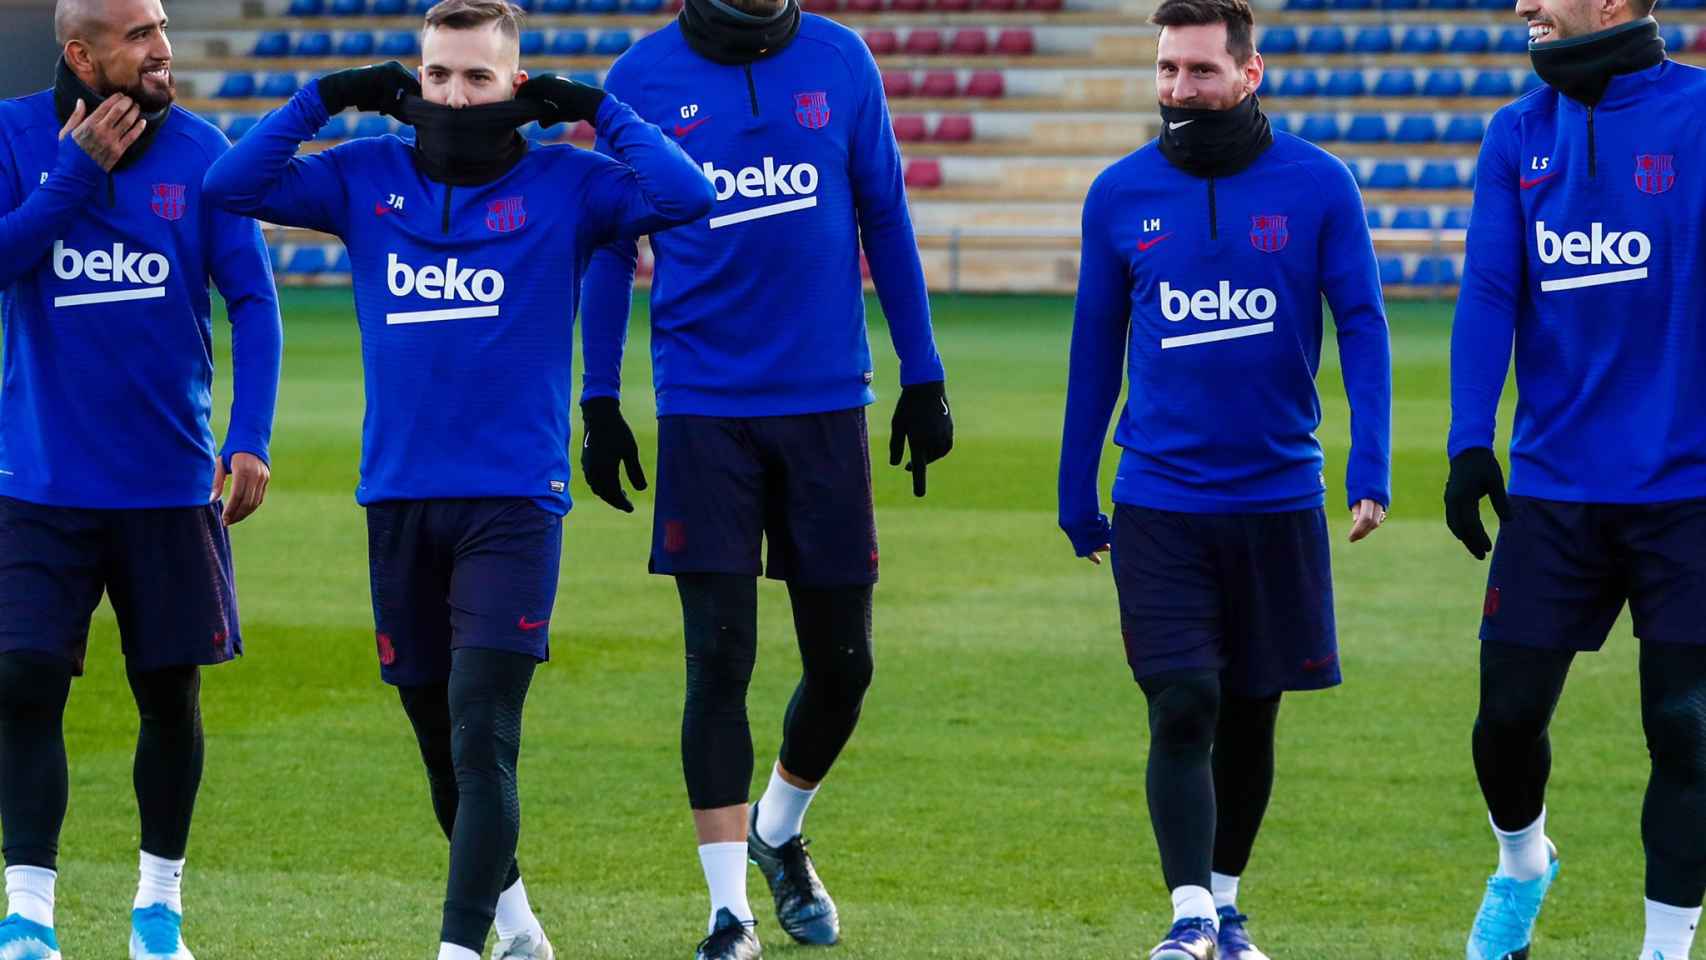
(1552, 20)
(469, 67)
(120, 46)
(1194, 68)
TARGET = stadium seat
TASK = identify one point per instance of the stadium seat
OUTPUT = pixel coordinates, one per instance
(314, 45)
(1299, 83)
(558, 6)
(279, 85)
(420, 7)
(1325, 40)
(1512, 40)
(356, 43)
(342, 264)
(399, 43)
(1412, 218)
(1439, 175)
(1434, 271)
(1345, 83)
(1374, 218)
(1305, 4)
(1464, 128)
(1674, 36)
(1470, 40)
(1699, 42)
(923, 43)
(1279, 40)
(1448, 4)
(1400, 4)
(1417, 128)
(882, 42)
(1320, 128)
(1395, 83)
(907, 6)
(969, 43)
(532, 43)
(307, 261)
(337, 128)
(956, 129)
(371, 125)
(348, 8)
(1373, 39)
(1531, 81)
(612, 42)
(1391, 271)
(306, 8)
(940, 84)
(987, 84)
(1421, 39)
(1457, 218)
(865, 6)
(923, 174)
(1388, 175)
(909, 129)
(1352, 4)
(820, 7)
(1367, 128)
(996, 6)
(898, 83)
(1443, 83)
(570, 43)
(950, 6)
(583, 132)
(1493, 83)
(1687, 4)
(240, 126)
(1280, 123)
(647, 7)
(1044, 6)
(1015, 43)
(236, 86)
(599, 7)
(539, 134)
(389, 8)
(588, 77)
(273, 43)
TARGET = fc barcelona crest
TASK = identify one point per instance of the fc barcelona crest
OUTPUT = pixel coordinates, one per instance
(812, 109)
(1268, 232)
(168, 201)
(1654, 172)
(507, 215)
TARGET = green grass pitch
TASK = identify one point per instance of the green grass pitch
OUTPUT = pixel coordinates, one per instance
(991, 804)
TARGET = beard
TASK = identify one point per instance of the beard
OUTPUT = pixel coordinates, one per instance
(149, 97)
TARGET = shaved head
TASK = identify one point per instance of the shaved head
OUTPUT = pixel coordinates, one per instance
(74, 19)
(117, 46)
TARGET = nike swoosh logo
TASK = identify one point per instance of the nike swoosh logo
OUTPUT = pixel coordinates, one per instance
(380, 209)
(681, 131)
(1526, 183)
(1181, 123)
(527, 624)
(1143, 246)
(1323, 663)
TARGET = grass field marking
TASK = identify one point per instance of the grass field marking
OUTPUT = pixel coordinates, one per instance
(117, 296)
(1230, 333)
(434, 316)
(1594, 280)
(759, 213)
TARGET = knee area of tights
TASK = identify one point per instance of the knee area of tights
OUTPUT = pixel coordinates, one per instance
(1184, 713)
(33, 681)
(1676, 733)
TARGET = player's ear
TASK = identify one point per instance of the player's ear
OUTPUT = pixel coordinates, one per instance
(78, 57)
(520, 78)
(1253, 71)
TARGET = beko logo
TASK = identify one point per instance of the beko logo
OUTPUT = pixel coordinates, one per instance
(1599, 247)
(110, 266)
(452, 281)
(1225, 302)
(797, 180)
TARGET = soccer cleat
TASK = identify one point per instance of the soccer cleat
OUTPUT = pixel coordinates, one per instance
(524, 946)
(1190, 939)
(156, 933)
(1505, 924)
(803, 907)
(22, 939)
(1234, 943)
(731, 940)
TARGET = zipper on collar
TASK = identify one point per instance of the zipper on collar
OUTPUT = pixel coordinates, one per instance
(1593, 161)
(751, 90)
(448, 190)
(1213, 220)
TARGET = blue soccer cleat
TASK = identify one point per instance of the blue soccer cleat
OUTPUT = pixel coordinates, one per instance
(22, 939)
(1504, 927)
(1233, 941)
(1192, 938)
(157, 933)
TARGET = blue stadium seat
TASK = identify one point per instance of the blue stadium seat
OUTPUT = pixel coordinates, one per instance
(236, 86)
(314, 45)
(399, 43)
(1352, 4)
(1493, 83)
(598, 6)
(1464, 128)
(644, 6)
(612, 42)
(1413, 218)
(559, 6)
(1320, 128)
(1417, 128)
(1532, 81)
(390, 8)
(1400, 4)
(1373, 39)
(1457, 218)
(1305, 4)
(276, 254)
(587, 77)
(356, 43)
(1470, 40)
(273, 43)
(570, 43)
(279, 85)
(1391, 271)
(420, 7)
(1439, 175)
(306, 8)
(1447, 4)
(1279, 40)
(1325, 40)
(1433, 271)
(1375, 219)
(371, 125)
(1421, 39)
(1512, 40)
(536, 133)
(1503, 6)
(1299, 83)
(1367, 128)
(1388, 175)
(1675, 38)
(348, 8)
(342, 265)
(337, 128)
(1345, 83)
(532, 43)
(1686, 4)
(240, 126)
(1443, 83)
(307, 261)
(1395, 83)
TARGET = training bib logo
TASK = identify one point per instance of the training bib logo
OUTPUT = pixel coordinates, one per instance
(452, 282)
(798, 180)
(168, 201)
(1598, 247)
(1268, 233)
(1655, 173)
(1225, 302)
(144, 274)
(811, 109)
(507, 215)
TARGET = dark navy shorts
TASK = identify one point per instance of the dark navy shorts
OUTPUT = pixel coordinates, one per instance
(801, 482)
(1561, 573)
(167, 572)
(460, 573)
(1250, 595)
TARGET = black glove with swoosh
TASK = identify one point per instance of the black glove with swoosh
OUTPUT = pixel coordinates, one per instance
(922, 419)
(568, 100)
(1475, 474)
(376, 89)
(608, 446)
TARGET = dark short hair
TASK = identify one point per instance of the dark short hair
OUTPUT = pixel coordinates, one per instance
(471, 14)
(1240, 21)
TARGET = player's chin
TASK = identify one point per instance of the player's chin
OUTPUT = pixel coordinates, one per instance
(155, 91)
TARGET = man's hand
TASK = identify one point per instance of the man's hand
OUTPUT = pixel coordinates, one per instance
(1095, 556)
(608, 446)
(376, 89)
(568, 101)
(249, 477)
(922, 419)
(1366, 517)
(1475, 474)
(107, 133)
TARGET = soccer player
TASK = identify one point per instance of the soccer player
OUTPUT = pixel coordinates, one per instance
(763, 371)
(1583, 249)
(467, 248)
(110, 481)
(1205, 257)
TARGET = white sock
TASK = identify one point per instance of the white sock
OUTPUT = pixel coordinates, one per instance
(782, 809)
(1191, 902)
(29, 893)
(1225, 890)
(162, 882)
(725, 875)
(1670, 931)
(450, 951)
(515, 915)
(1522, 853)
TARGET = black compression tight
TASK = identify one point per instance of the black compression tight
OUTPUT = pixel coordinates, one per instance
(834, 627)
(1520, 687)
(33, 772)
(1243, 777)
(169, 756)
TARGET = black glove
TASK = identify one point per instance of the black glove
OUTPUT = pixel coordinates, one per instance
(922, 418)
(569, 101)
(1475, 474)
(377, 89)
(609, 444)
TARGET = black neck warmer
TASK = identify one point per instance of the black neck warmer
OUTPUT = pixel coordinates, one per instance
(722, 34)
(68, 89)
(1582, 67)
(1215, 143)
(470, 146)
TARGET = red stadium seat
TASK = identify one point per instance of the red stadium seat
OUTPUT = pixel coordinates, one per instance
(997, 6)
(1699, 41)
(882, 42)
(951, 6)
(969, 43)
(953, 130)
(923, 174)
(909, 129)
(821, 6)
(907, 6)
(940, 83)
(986, 83)
(1045, 6)
(923, 43)
(583, 132)
(898, 85)
(864, 6)
(1016, 43)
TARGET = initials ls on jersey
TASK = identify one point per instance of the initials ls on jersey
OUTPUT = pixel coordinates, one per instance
(1211, 290)
(758, 310)
(107, 392)
(465, 296)
(1584, 251)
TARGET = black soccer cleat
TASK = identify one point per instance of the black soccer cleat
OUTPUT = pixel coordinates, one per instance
(731, 940)
(803, 907)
